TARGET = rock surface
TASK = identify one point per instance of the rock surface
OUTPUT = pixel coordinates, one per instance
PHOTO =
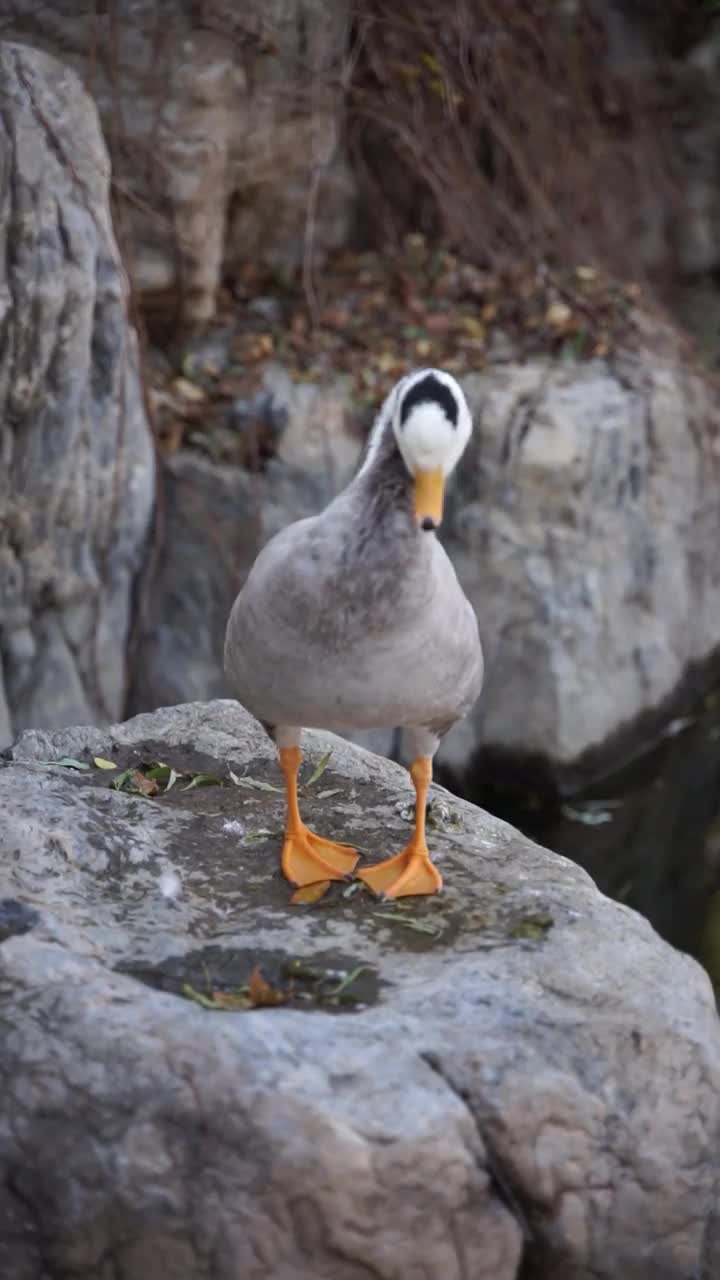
(218, 124)
(76, 460)
(583, 526)
(529, 1082)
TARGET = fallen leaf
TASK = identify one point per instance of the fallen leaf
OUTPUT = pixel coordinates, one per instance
(310, 893)
(190, 993)
(255, 784)
(481, 919)
(159, 772)
(319, 770)
(66, 762)
(558, 314)
(473, 327)
(146, 786)
(411, 922)
(134, 780)
(261, 994)
(219, 1000)
(162, 773)
(438, 323)
(533, 927)
(203, 780)
(239, 999)
(101, 763)
(588, 817)
(348, 980)
(188, 390)
(118, 783)
(387, 362)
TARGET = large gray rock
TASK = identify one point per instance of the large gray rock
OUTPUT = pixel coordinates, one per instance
(530, 1083)
(584, 528)
(219, 124)
(76, 469)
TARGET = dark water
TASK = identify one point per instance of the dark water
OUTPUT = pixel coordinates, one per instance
(649, 835)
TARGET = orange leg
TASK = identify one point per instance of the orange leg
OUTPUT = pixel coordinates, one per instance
(307, 858)
(410, 872)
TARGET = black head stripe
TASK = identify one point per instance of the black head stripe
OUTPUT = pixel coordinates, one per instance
(430, 390)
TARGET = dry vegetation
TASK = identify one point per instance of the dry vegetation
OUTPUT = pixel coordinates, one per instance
(503, 155)
(506, 132)
(378, 315)
(513, 131)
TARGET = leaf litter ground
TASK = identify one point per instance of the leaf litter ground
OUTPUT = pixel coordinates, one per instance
(230, 852)
(377, 316)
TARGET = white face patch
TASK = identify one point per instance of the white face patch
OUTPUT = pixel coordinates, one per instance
(428, 438)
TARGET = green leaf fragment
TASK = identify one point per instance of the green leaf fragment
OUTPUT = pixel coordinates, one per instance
(204, 780)
(163, 773)
(255, 784)
(219, 1001)
(319, 770)
(118, 783)
(191, 994)
(533, 927)
(157, 771)
(348, 980)
(411, 922)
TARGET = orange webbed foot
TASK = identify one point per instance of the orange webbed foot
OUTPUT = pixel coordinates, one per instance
(307, 858)
(408, 874)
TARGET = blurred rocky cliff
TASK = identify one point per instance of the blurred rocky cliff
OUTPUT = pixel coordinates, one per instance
(310, 199)
(268, 134)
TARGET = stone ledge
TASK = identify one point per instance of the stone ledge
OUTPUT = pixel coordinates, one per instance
(530, 1073)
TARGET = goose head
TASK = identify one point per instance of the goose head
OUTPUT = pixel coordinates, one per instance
(432, 425)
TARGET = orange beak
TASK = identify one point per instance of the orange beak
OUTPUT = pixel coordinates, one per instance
(429, 493)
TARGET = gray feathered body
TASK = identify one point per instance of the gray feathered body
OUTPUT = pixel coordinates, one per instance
(354, 619)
